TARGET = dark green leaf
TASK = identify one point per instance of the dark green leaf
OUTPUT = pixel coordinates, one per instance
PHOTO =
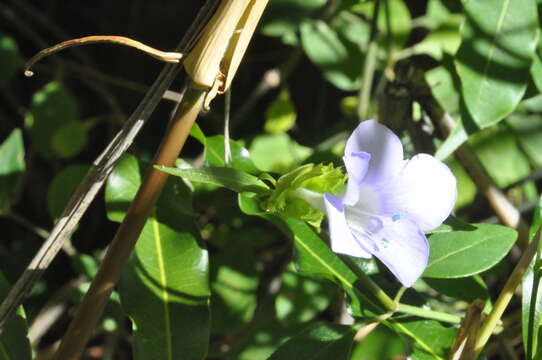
(467, 289)
(165, 287)
(301, 298)
(12, 166)
(52, 107)
(69, 139)
(280, 115)
(229, 178)
(467, 252)
(339, 59)
(498, 43)
(431, 340)
(381, 344)
(10, 59)
(62, 187)
(14, 344)
(320, 341)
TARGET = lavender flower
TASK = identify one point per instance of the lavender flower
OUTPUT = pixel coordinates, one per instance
(389, 202)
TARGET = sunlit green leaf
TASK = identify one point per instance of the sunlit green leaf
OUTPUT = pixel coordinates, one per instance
(165, 287)
(280, 115)
(466, 252)
(240, 157)
(498, 43)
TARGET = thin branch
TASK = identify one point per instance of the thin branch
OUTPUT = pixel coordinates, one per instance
(98, 172)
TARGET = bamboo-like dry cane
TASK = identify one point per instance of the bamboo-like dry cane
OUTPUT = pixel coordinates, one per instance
(207, 79)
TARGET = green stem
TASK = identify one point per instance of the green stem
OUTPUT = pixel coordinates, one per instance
(369, 285)
(506, 295)
(428, 314)
(369, 67)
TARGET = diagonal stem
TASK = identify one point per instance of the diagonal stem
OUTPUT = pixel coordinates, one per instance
(92, 306)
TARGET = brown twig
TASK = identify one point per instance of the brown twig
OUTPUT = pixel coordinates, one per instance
(119, 251)
(96, 175)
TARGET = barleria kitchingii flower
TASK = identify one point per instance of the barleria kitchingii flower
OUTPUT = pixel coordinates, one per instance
(389, 202)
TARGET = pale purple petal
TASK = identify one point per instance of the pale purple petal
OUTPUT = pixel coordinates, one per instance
(384, 147)
(342, 240)
(425, 191)
(356, 165)
(399, 244)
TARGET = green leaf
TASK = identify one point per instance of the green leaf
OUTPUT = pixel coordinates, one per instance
(320, 341)
(277, 153)
(300, 299)
(313, 257)
(10, 59)
(165, 287)
(431, 340)
(498, 43)
(380, 344)
(62, 187)
(280, 115)
(197, 134)
(531, 296)
(319, 179)
(339, 59)
(14, 344)
(52, 107)
(467, 252)
(229, 178)
(282, 17)
(12, 166)
(467, 289)
(528, 131)
(235, 285)
(501, 156)
(69, 139)
(240, 157)
(123, 183)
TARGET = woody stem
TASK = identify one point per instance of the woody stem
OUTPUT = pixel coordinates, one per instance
(119, 251)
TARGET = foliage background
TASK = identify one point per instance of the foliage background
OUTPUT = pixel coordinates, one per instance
(77, 101)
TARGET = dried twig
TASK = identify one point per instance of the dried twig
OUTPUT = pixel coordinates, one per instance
(100, 169)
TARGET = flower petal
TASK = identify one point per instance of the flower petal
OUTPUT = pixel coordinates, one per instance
(356, 165)
(399, 244)
(425, 191)
(384, 147)
(342, 240)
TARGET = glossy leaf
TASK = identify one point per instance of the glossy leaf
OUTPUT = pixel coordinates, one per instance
(467, 252)
(528, 131)
(12, 166)
(165, 287)
(14, 344)
(467, 289)
(229, 178)
(431, 340)
(498, 43)
(318, 342)
(62, 187)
